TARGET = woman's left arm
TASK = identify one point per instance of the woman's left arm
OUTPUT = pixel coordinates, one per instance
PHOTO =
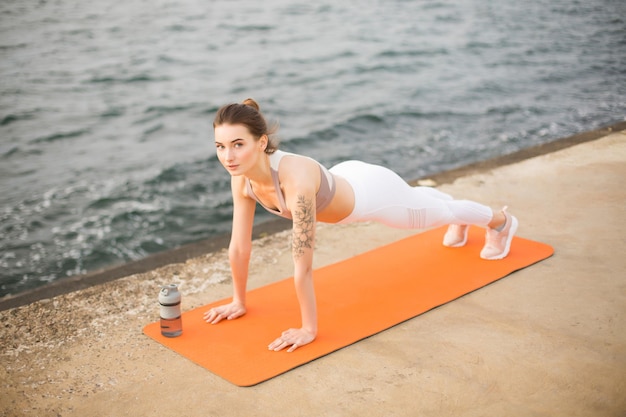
(300, 191)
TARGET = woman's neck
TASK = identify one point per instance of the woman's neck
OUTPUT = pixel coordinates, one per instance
(261, 173)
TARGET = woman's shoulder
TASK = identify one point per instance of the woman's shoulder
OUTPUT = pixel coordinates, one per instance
(297, 169)
(277, 156)
(291, 159)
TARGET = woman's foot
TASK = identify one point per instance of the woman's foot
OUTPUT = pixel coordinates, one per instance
(456, 235)
(498, 241)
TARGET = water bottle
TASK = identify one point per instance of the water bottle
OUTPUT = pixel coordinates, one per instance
(171, 320)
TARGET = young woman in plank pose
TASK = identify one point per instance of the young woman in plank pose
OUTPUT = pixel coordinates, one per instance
(299, 188)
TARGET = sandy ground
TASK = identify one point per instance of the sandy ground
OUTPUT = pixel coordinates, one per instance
(549, 340)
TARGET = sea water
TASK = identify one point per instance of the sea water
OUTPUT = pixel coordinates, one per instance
(106, 152)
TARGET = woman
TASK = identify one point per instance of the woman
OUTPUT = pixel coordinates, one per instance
(299, 188)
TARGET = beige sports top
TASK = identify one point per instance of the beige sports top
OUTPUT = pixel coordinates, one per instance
(323, 197)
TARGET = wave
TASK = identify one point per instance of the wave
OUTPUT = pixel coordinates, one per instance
(91, 225)
(369, 125)
(11, 118)
(11, 151)
(432, 115)
(138, 78)
(169, 109)
(153, 113)
(17, 152)
(320, 59)
(172, 174)
(354, 125)
(246, 28)
(153, 129)
(394, 53)
(180, 28)
(61, 136)
(14, 46)
(113, 112)
(508, 109)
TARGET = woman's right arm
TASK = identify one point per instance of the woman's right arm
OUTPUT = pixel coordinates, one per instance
(238, 254)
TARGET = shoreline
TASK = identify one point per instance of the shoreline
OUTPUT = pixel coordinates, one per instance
(206, 246)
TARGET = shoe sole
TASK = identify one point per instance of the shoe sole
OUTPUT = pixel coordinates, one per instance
(507, 246)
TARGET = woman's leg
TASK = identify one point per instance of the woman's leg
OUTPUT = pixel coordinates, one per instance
(383, 196)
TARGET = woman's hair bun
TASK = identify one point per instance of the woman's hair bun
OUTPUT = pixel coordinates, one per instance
(250, 102)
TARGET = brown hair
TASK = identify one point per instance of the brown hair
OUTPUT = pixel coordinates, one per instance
(249, 115)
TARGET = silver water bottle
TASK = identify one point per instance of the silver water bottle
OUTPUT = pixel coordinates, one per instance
(171, 320)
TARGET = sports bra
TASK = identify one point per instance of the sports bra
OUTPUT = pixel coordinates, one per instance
(323, 197)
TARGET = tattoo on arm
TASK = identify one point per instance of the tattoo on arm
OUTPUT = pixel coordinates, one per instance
(303, 226)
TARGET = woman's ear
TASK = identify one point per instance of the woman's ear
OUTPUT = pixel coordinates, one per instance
(263, 142)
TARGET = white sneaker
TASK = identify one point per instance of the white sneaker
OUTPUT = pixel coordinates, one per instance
(498, 243)
(456, 235)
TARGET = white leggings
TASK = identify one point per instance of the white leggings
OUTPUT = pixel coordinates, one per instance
(382, 195)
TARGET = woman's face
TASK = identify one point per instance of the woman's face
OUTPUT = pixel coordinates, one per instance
(237, 149)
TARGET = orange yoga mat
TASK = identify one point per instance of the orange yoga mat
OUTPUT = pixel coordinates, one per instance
(356, 298)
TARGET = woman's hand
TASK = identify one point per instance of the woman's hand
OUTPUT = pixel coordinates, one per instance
(227, 311)
(292, 337)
